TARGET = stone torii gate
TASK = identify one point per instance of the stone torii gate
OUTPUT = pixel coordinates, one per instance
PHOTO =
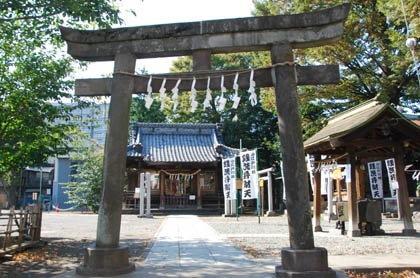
(277, 34)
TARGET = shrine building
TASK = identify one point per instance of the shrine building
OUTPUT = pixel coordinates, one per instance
(184, 161)
(369, 132)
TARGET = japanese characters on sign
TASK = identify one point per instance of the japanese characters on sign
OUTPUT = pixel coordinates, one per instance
(250, 175)
(392, 177)
(229, 178)
(375, 178)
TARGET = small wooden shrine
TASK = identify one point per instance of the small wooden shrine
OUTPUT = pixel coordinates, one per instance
(368, 132)
(184, 161)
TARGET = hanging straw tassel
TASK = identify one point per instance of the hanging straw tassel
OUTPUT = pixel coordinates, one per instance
(208, 95)
(149, 98)
(162, 92)
(194, 103)
(222, 99)
(175, 91)
(236, 97)
(253, 97)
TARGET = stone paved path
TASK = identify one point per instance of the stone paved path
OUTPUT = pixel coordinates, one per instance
(188, 247)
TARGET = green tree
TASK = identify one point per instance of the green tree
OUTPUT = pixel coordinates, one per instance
(140, 114)
(85, 187)
(372, 54)
(33, 75)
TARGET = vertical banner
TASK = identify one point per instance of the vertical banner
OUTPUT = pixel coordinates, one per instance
(392, 177)
(229, 178)
(375, 179)
(250, 175)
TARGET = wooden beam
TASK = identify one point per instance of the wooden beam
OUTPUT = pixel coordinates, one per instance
(220, 36)
(360, 182)
(306, 75)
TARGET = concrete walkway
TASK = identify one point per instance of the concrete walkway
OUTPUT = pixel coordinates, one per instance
(187, 247)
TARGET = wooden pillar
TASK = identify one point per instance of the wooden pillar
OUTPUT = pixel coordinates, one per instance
(403, 200)
(338, 184)
(352, 202)
(162, 190)
(295, 175)
(360, 181)
(317, 198)
(197, 182)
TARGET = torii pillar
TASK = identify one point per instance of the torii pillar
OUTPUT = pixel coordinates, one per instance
(107, 257)
(278, 34)
(302, 257)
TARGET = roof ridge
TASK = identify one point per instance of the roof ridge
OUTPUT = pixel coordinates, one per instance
(174, 125)
(354, 110)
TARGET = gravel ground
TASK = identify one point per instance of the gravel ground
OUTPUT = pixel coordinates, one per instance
(266, 239)
(66, 235)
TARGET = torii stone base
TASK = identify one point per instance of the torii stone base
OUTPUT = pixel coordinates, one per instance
(105, 262)
(311, 263)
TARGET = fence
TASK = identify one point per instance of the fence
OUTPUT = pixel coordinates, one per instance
(20, 229)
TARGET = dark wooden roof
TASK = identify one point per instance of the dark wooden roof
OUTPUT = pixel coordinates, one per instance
(371, 129)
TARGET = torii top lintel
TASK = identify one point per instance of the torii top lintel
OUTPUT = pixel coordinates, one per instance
(217, 36)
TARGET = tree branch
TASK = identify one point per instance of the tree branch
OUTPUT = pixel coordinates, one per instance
(28, 17)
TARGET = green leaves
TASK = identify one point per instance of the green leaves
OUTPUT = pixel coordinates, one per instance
(85, 187)
(372, 56)
(33, 75)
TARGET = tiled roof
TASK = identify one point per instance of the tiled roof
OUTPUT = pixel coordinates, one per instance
(170, 143)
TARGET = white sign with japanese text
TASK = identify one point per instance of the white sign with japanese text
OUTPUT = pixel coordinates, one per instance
(392, 177)
(250, 175)
(375, 178)
(229, 178)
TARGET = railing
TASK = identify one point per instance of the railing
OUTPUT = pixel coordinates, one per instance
(182, 201)
(20, 229)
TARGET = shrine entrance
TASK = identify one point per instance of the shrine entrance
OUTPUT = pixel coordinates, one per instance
(277, 34)
(180, 190)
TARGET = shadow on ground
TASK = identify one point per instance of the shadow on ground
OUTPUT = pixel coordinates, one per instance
(58, 255)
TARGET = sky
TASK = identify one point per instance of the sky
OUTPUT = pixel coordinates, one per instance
(151, 12)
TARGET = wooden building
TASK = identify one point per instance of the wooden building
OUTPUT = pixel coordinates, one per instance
(184, 161)
(368, 132)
